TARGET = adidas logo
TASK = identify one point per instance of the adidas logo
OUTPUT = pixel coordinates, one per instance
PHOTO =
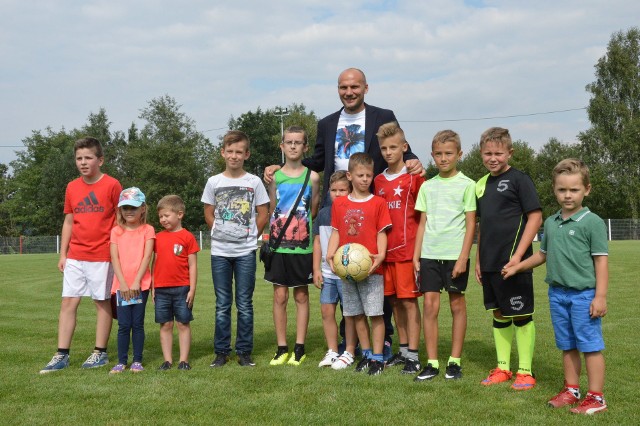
(90, 204)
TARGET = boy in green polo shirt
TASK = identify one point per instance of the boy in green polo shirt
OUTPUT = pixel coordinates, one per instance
(574, 246)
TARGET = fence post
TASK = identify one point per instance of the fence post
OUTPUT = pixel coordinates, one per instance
(21, 237)
(609, 223)
(200, 239)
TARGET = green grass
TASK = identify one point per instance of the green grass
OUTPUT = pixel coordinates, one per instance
(29, 303)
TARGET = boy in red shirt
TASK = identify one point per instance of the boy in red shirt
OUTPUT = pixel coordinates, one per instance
(363, 218)
(85, 260)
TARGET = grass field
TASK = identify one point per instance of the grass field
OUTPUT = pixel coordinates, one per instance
(30, 296)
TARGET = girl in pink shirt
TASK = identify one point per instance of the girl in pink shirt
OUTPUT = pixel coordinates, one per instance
(131, 249)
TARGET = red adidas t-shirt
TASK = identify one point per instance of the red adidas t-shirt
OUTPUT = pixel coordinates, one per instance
(400, 191)
(94, 211)
(171, 265)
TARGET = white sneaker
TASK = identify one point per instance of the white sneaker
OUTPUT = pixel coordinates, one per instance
(343, 361)
(329, 358)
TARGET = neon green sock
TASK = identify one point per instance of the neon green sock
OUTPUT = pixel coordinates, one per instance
(456, 361)
(503, 336)
(525, 339)
(434, 363)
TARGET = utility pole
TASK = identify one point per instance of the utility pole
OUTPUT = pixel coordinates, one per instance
(282, 114)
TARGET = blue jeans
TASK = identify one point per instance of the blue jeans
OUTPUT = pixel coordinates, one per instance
(131, 326)
(242, 270)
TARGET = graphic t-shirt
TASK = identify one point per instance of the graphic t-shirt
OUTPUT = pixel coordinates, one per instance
(297, 237)
(131, 244)
(359, 221)
(234, 232)
(400, 192)
(446, 202)
(171, 265)
(503, 204)
(349, 138)
(94, 211)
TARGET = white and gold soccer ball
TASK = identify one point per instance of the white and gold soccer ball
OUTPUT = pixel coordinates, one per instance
(352, 262)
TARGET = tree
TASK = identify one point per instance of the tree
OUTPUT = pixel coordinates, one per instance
(169, 156)
(612, 145)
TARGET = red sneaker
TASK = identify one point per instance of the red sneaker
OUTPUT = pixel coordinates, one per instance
(564, 398)
(523, 382)
(496, 376)
(590, 405)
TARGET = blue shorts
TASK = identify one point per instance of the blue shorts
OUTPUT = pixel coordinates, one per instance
(572, 325)
(331, 292)
(171, 302)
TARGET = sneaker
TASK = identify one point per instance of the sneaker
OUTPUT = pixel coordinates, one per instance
(118, 368)
(58, 362)
(136, 367)
(165, 366)
(396, 359)
(427, 374)
(453, 371)
(496, 376)
(296, 360)
(221, 359)
(345, 360)
(184, 365)
(329, 358)
(375, 367)
(524, 382)
(96, 359)
(279, 358)
(411, 366)
(363, 365)
(564, 398)
(245, 360)
(590, 405)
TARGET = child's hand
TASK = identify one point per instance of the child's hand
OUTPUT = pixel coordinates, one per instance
(598, 308)
(153, 295)
(416, 266)
(515, 259)
(459, 268)
(377, 260)
(329, 260)
(478, 273)
(508, 271)
(124, 292)
(134, 289)
(317, 279)
(190, 298)
(61, 263)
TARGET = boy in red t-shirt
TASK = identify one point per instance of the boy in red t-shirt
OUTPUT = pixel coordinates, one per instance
(400, 191)
(175, 273)
(85, 260)
(363, 218)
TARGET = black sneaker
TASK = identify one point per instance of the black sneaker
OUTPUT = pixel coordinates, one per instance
(427, 374)
(375, 368)
(411, 366)
(221, 359)
(245, 360)
(453, 371)
(363, 365)
(396, 359)
(184, 365)
(165, 366)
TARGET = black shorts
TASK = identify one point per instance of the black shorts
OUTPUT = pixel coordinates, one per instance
(513, 296)
(435, 276)
(290, 270)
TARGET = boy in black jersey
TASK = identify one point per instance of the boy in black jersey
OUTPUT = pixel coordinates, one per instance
(510, 216)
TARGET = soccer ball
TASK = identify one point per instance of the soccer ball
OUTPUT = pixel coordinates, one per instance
(352, 262)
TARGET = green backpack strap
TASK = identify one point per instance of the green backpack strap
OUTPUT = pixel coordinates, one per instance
(481, 185)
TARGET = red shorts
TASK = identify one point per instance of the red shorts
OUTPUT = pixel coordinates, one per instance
(400, 280)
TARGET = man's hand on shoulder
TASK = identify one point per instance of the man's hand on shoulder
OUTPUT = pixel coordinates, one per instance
(269, 171)
(414, 167)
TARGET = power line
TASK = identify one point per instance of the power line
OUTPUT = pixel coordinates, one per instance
(493, 118)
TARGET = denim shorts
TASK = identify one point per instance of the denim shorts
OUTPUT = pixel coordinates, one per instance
(331, 292)
(572, 325)
(171, 302)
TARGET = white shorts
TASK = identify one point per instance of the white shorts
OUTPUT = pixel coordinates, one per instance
(81, 278)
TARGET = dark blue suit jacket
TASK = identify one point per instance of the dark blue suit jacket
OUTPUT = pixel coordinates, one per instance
(323, 158)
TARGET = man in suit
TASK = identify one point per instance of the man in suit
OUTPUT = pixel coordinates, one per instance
(351, 129)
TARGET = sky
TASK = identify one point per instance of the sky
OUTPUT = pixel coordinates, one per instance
(438, 64)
